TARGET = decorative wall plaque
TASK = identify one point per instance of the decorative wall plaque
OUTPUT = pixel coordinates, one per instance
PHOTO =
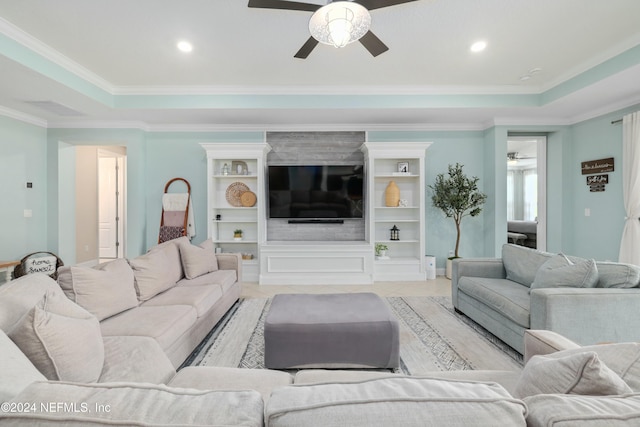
(598, 179)
(597, 166)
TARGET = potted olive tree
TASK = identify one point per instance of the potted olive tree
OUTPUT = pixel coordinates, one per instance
(457, 196)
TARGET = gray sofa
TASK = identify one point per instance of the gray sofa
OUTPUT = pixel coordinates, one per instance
(523, 233)
(586, 301)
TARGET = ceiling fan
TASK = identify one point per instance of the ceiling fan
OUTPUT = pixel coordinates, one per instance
(337, 23)
(514, 156)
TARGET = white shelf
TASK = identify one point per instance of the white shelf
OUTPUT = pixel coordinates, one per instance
(236, 177)
(391, 176)
(406, 260)
(251, 219)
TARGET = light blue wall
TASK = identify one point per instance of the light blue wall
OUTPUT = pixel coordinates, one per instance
(30, 153)
(495, 178)
(134, 141)
(597, 236)
(179, 154)
(22, 159)
(448, 148)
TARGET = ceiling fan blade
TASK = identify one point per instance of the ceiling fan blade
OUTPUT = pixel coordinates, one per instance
(377, 4)
(282, 4)
(373, 44)
(306, 48)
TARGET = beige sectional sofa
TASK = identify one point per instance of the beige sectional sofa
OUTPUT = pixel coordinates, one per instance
(62, 363)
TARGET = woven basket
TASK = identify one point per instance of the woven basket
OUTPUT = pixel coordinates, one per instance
(392, 195)
(21, 269)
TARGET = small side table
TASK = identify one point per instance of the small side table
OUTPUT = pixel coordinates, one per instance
(7, 267)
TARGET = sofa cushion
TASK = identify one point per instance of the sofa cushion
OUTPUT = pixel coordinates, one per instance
(547, 410)
(579, 373)
(507, 379)
(103, 291)
(172, 250)
(135, 359)
(560, 272)
(618, 275)
(402, 401)
(202, 298)
(129, 404)
(62, 339)
(224, 278)
(197, 261)
(621, 358)
(521, 264)
(152, 272)
(16, 370)
(165, 324)
(509, 298)
(218, 378)
(19, 296)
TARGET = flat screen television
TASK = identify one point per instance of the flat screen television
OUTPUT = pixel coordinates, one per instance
(316, 191)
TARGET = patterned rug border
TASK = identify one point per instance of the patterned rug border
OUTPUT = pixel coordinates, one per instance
(446, 355)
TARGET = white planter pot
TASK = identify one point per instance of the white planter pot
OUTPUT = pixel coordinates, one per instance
(448, 269)
(237, 239)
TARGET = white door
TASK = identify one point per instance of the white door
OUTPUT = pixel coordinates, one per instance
(108, 207)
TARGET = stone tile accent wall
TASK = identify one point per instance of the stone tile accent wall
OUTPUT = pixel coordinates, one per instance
(315, 148)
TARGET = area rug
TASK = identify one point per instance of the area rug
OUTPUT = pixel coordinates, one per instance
(433, 337)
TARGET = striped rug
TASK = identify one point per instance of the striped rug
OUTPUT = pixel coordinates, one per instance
(432, 338)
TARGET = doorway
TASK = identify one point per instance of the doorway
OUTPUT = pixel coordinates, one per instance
(526, 191)
(111, 204)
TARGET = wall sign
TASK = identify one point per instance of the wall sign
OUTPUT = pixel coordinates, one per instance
(598, 179)
(597, 166)
(597, 183)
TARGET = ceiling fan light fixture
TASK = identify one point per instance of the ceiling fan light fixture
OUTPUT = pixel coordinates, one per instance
(340, 23)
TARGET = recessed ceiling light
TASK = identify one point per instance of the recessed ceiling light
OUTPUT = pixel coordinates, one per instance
(185, 46)
(479, 46)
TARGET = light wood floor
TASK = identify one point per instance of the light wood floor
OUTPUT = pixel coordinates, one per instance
(441, 286)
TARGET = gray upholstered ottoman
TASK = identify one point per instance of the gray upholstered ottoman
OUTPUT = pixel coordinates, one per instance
(330, 331)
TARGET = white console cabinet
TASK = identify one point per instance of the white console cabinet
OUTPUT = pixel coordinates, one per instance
(250, 219)
(405, 259)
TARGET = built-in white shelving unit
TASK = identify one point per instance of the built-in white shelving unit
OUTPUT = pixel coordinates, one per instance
(406, 256)
(251, 220)
(322, 262)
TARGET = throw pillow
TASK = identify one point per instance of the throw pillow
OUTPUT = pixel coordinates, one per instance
(152, 273)
(579, 373)
(197, 261)
(617, 275)
(521, 264)
(561, 272)
(61, 339)
(104, 291)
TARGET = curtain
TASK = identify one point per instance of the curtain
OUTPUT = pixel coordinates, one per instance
(530, 191)
(510, 196)
(630, 244)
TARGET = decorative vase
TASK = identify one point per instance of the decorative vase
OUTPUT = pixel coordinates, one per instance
(392, 194)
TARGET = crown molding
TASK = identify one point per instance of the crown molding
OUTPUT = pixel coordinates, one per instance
(46, 51)
(325, 90)
(23, 117)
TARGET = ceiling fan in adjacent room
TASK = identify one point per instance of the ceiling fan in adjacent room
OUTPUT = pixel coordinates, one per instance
(337, 23)
(513, 157)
